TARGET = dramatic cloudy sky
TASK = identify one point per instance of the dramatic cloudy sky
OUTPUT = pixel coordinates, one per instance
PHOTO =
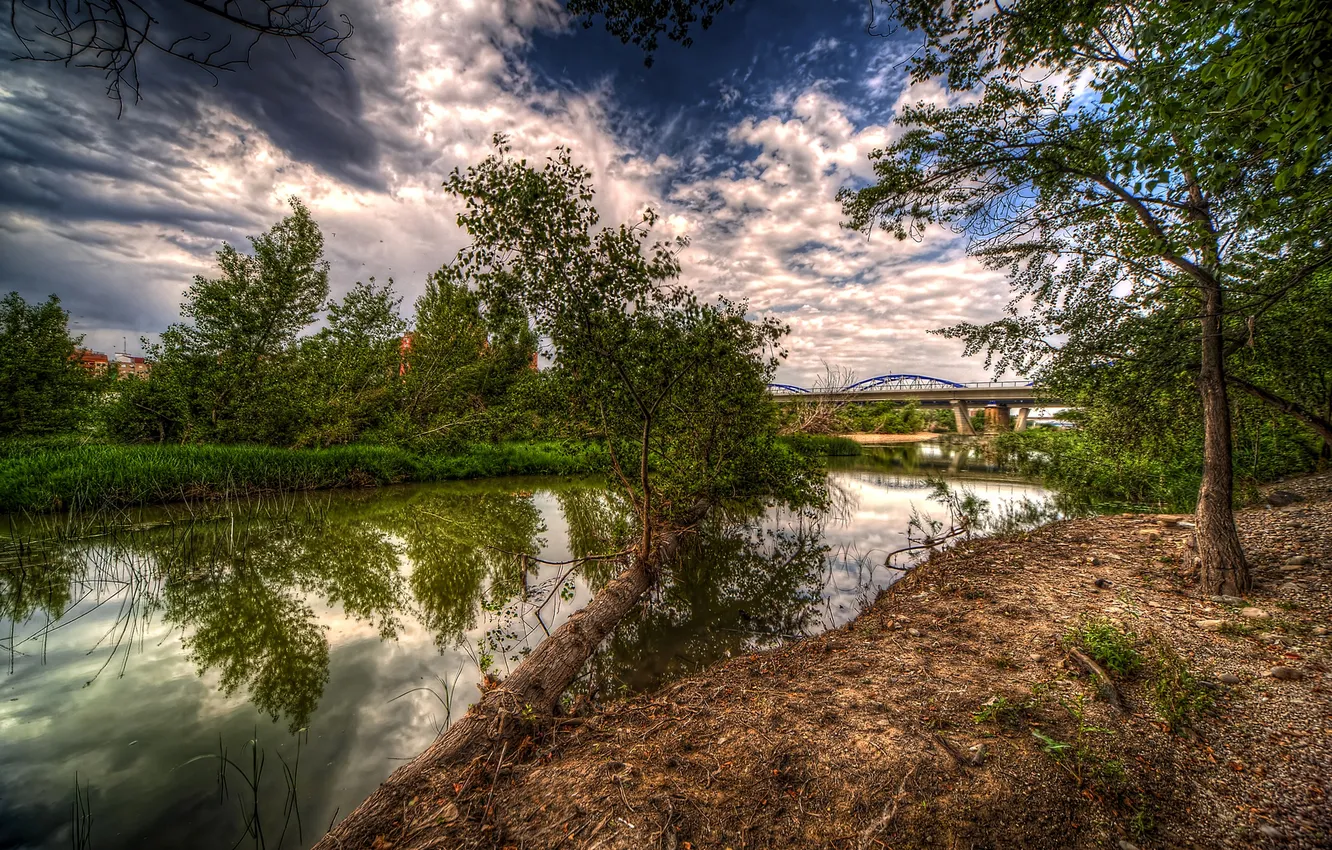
(741, 141)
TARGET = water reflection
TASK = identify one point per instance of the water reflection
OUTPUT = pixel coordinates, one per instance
(145, 649)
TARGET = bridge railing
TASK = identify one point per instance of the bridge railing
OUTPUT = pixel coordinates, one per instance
(867, 386)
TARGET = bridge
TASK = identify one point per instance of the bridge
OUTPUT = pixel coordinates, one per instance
(998, 398)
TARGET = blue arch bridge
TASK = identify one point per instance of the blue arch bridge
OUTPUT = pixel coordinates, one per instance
(998, 398)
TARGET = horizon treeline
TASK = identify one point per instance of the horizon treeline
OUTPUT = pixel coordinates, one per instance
(245, 364)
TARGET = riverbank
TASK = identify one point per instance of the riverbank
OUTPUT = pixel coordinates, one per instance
(69, 474)
(956, 711)
(892, 439)
(36, 477)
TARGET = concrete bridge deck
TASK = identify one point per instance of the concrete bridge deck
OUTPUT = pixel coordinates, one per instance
(996, 397)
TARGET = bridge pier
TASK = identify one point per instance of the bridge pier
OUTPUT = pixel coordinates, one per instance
(996, 418)
(1021, 424)
(962, 418)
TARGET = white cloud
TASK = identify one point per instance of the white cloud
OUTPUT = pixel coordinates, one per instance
(155, 197)
(771, 231)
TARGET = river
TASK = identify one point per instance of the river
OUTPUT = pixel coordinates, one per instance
(225, 675)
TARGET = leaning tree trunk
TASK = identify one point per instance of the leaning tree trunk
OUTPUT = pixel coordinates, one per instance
(533, 689)
(1224, 570)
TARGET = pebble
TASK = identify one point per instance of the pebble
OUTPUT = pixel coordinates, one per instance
(1228, 679)
(1299, 561)
(1285, 673)
(1037, 657)
(1211, 625)
(1254, 613)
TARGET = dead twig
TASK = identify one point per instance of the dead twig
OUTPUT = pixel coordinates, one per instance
(881, 823)
(1103, 683)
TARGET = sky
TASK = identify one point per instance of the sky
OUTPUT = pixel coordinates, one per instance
(740, 142)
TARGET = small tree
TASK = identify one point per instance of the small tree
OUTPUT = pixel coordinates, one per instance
(677, 388)
(42, 385)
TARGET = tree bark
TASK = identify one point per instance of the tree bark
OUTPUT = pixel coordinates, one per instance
(1322, 426)
(1224, 570)
(533, 688)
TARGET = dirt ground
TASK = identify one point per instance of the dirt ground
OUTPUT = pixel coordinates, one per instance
(953, 714)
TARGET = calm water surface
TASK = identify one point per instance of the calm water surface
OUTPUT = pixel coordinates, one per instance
(243, 675)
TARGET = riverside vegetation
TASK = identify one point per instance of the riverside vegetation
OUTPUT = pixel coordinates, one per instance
(1165, 232)
(243, 398)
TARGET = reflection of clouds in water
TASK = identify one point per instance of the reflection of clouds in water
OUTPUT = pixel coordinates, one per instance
(394, 596)
(860, 539)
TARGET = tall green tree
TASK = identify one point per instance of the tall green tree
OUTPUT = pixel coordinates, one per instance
(42, 386)
(227, 372)
(1083, 197)
(351, 367)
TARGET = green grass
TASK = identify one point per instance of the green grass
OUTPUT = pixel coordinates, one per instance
(1106, 643)
(821, 445)
(1177, 694)
(60, 475)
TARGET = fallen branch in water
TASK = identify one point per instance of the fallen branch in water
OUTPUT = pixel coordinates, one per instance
(508, 710)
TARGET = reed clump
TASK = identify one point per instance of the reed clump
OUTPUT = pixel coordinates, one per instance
(61, 475)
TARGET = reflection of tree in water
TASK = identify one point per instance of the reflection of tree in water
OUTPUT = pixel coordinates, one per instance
(600, 522)
(255, 632)
(242, 589)
(36, 579)
(736, 585)
(460, 545)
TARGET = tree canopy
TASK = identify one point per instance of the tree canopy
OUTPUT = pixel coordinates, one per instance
(1094, 158)
(676, 387)
(42, 385)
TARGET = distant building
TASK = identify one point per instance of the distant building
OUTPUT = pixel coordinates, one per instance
(94, 362)
(404, 349)
(127, 365)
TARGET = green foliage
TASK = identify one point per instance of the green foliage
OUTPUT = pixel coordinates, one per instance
(1286, 359)
(1106, 643)
(42, 477)
(821, 445)
(350, 367)
(1177, 694)
(676, 388)
(1142, 449)
(42, 388)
